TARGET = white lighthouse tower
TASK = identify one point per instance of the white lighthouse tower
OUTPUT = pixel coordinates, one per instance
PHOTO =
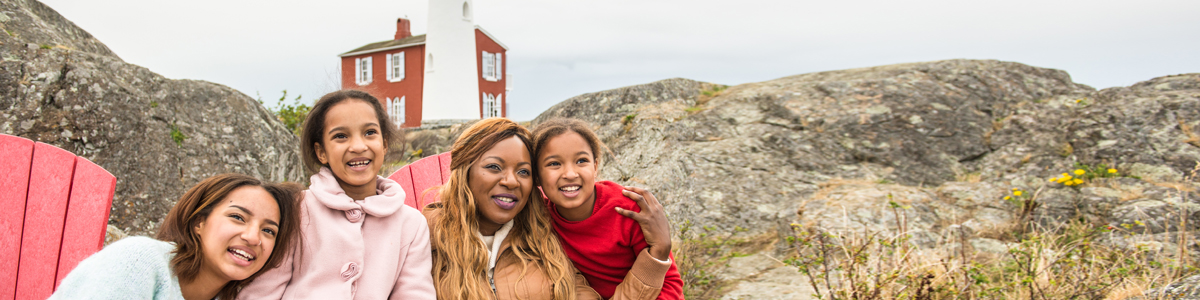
(451, 89)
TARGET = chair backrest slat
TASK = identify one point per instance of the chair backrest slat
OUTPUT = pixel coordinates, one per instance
(16, 157)
(426, 173)
(45, 213)
(403, 176)
(87, 215)
(444, 160)
(46, 189)
(419, 176)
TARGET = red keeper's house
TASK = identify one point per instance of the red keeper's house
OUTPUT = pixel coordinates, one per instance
(455, 71)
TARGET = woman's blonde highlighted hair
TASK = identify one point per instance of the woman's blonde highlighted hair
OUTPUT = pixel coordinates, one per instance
(460, 261)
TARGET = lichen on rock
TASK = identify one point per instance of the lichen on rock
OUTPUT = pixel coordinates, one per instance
(158, 136)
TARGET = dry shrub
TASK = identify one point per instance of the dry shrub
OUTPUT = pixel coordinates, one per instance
(704, 252)
(1041, 263)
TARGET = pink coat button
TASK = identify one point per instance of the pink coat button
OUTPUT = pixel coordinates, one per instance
(349, 270)
(354, 215)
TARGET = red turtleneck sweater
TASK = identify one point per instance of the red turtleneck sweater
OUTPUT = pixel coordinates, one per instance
(605, 245)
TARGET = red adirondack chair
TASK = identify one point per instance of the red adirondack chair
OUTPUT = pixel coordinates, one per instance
(43, 191)
(419, 176)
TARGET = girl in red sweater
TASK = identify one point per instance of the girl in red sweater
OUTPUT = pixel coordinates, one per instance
(617, 237)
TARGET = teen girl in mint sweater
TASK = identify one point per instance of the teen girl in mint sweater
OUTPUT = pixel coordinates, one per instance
(221, 235)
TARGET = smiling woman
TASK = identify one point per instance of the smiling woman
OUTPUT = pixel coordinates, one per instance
(218, 238)
(488, 241)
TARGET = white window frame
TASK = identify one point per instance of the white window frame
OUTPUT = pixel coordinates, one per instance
(498, 105)
(362, 76)
(491, 106)
(499, 62)
(396, 110)
(486, 105)
(489, 66)
(395, 66)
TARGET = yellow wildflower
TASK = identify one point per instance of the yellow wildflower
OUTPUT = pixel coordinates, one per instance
(1065, 175)
(1112, 171)
(1007, 198)
(1069, 183)
(1079, 171)
(1053, 179)
(1014, 189)
(1078, 181)
(1017, 193)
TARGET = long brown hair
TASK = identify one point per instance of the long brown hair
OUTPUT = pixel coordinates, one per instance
(460, 262)
(314, 125)
(180, 225)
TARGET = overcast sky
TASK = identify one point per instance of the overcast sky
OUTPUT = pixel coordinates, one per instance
(562, 48)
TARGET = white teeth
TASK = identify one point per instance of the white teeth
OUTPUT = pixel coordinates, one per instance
(359, 163)
(241, 254)
(506, 199)
(569, 188)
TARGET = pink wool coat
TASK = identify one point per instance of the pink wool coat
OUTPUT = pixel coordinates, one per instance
(375, 248)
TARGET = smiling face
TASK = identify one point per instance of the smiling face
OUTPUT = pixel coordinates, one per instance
(238, 236)
(353, 147)
(568, 175)
(501, 181)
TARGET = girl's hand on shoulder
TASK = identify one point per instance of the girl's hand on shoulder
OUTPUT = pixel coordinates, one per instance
(653, 220)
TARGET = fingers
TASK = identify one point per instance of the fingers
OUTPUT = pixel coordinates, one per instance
(629, 214)
(644, 195)
(636, 189)
(641, 201)
(651, 199)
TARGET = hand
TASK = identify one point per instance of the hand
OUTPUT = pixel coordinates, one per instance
(653, 220)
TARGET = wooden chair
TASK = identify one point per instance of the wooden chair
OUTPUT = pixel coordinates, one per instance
(53, 213)
(419, 176)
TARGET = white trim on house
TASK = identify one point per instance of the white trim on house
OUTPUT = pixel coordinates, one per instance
(489, 35)
(491, 105)
(394, 72)
(487, 105)
(488, 65)
(499, 73)
(396, 110)
(363, 76)
(385, 49)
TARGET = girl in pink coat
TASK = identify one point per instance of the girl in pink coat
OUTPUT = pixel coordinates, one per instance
(359, 240)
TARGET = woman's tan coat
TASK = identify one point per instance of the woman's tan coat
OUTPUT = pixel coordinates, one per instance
(535, 285)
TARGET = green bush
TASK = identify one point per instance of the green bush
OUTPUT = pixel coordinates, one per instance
(292, 115)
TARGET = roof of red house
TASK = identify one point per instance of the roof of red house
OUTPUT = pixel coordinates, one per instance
(405, 42)
(386, 45)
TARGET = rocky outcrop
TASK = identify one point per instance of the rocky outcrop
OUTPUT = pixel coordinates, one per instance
(751, 155)
(159, 136)
(936, 145)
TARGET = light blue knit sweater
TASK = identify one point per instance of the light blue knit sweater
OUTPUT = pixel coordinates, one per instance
(132, 268)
